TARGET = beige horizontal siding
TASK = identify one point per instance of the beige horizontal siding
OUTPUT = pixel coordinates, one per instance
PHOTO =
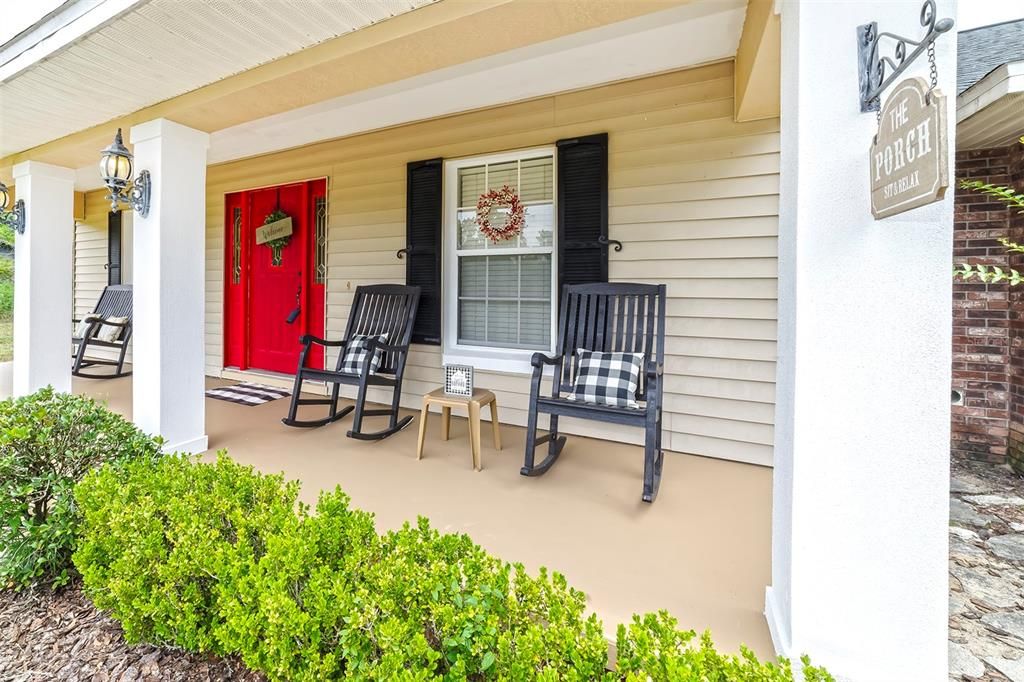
(693, 197)
(91, 258)
(90, 254)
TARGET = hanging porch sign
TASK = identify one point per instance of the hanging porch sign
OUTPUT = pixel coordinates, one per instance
(909, 155)
(275, 232)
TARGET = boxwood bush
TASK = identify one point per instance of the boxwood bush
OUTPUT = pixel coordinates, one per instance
(48, 441)
(653, 647)
(215, 557)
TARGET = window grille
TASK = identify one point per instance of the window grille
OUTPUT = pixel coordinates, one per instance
(320, 254)
(236, 262)
(504, 290)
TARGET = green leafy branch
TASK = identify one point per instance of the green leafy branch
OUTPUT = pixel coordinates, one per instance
(1007, 195)
(993, 274)
(6, 235)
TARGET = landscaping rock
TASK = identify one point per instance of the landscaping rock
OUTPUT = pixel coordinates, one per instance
(961, 512)
(965, 542)
(982, 587)
(963, 662)
(986, 540)
(1006, 623)
(1007, 546)
(960, 548)
(995, 500)
(966, 484)
(1013, 669)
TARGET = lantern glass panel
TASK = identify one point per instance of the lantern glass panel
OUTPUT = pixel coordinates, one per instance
(116, 167)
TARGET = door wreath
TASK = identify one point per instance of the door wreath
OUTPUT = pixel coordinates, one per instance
(505, 197)
(276, 244)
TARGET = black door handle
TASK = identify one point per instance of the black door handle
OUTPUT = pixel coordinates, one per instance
(294, 314)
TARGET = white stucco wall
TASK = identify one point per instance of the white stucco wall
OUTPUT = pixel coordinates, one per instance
(859, 576)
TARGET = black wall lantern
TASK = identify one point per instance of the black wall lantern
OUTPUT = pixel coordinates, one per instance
(116, 169)
(15, 217)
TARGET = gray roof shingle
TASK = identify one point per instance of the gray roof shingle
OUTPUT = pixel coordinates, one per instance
(980, 50)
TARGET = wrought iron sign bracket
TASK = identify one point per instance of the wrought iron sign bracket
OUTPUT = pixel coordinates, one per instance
(872, 65)
(15, 218)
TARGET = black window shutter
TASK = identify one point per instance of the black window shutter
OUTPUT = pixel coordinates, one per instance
(423, 246)
(583, 209)
(113, 247)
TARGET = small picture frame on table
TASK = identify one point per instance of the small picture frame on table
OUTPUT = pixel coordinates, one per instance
(458, 380)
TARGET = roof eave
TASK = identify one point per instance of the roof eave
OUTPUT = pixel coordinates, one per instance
(987, 113)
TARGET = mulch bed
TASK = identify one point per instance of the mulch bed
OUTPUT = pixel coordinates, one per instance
(61, 636)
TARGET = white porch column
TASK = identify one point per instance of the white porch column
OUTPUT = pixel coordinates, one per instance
(169, 299)
(861, 480)
(42, 278)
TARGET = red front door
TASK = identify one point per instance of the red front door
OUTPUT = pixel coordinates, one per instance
(272, 301)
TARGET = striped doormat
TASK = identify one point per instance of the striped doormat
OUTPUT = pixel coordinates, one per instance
(247, 393)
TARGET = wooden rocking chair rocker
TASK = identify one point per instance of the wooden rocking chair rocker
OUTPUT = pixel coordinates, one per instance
(376, 310)
(607, 318)
(110, 326)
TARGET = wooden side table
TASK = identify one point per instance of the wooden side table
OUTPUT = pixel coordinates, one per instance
(481, 398)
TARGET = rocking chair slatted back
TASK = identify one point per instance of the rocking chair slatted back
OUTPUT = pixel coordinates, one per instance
(610, 318)
(384, 309)
(115, 301)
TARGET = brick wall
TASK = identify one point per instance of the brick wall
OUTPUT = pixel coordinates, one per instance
(981, 316)
(1015, 370)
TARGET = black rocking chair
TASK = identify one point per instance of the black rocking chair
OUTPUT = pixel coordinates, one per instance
(377, 309)
(608, 318)
(115, 301)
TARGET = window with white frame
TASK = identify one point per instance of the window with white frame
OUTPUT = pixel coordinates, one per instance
(498, 296)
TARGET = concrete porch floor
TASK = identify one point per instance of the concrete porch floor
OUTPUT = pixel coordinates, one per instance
(702, 550)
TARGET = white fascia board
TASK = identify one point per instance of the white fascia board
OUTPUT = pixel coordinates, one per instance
(1005, 80)
(62, 27)
(692, 34)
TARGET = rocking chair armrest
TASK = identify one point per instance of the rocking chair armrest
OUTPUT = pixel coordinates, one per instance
(654, 369)
(539, 360)
(307, 339)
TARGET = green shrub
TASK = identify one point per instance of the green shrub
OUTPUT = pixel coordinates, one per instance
(48, 441)
(159, 538)
(440, 603)
(653, 647)
(215, 557)
(284, 613)
(6, 286)
(219, 558)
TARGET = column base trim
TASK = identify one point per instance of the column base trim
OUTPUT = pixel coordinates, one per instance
(775, 625)
(189, 447)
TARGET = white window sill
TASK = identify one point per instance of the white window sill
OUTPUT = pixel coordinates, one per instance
(493, 360)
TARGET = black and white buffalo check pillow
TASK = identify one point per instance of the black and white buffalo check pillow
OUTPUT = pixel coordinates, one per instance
(356, 352)
(607, 378)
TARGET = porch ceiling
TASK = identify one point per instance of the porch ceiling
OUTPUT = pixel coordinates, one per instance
(435, 39)
(159, 49)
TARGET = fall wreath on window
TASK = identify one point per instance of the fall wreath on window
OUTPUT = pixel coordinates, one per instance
(505, 197)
